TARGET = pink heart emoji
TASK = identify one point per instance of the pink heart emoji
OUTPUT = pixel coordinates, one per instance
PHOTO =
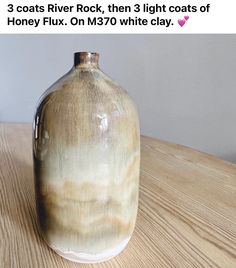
(181, 22)
(186, 17)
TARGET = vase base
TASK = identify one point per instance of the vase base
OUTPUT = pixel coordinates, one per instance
(92, 258)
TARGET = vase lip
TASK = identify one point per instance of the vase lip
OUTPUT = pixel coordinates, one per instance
(83, 58)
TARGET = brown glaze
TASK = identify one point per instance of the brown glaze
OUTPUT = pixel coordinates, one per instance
(86, 58)
(87, 156)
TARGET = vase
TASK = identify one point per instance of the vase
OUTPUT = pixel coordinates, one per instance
(86, 149)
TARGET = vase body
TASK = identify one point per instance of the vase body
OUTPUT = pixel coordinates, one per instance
(86, 148)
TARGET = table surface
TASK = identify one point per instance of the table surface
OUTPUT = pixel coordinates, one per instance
(186, 218)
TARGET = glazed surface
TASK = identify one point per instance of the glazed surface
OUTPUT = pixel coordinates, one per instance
(86, 158)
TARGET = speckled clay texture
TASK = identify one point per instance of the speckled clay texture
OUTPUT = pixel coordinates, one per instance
(86, 147)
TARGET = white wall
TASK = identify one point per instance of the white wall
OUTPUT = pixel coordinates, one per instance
(184, 85)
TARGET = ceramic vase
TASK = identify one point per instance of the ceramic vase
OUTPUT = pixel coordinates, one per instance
(86, 148)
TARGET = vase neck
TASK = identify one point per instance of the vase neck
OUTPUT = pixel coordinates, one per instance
(86, 59)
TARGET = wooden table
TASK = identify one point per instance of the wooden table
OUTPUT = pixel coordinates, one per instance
(187, 209)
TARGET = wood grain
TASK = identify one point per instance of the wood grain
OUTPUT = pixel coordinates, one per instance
(187, 209)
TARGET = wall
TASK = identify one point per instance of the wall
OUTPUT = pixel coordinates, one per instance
(184, 85)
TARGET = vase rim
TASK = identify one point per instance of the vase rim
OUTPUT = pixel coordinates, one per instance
(86, 58)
